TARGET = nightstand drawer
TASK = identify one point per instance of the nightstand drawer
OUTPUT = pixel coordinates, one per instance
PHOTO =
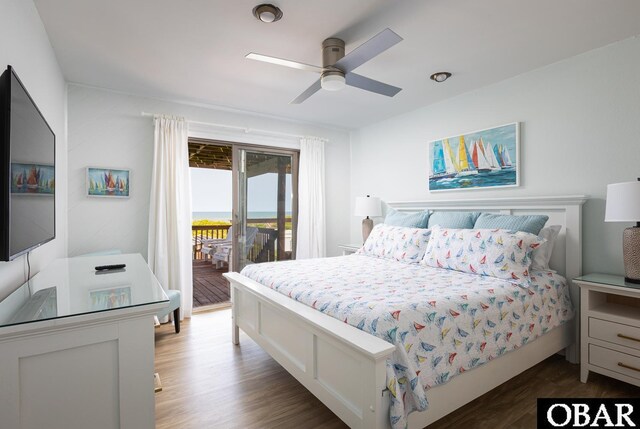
(615, 361)
(616, 333)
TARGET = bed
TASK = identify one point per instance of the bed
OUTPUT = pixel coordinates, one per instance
(347, 368)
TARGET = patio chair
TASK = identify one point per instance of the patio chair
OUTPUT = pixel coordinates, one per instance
(209, 245)
(223, 251)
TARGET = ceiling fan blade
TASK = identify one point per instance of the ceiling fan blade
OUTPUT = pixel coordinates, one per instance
(369, 49)
(307, 93)
(282, 62)
(367, 84)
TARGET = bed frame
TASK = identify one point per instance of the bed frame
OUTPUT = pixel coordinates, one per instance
(344, 367)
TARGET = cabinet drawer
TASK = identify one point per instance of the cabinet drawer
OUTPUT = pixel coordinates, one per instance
(617, 333)
(612, 360)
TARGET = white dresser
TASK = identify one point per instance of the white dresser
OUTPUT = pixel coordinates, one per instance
(77, 347)
(610, 327)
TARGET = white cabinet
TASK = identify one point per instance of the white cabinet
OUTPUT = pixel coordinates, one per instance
(610, 327)
(77, 348)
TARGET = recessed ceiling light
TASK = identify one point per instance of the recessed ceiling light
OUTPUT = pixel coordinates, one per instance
(267, 13)
(440, 76)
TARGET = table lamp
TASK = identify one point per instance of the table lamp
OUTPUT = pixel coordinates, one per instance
(623, 205)
(367, 206)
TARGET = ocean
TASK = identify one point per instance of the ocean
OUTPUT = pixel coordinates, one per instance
(478, 181)
(227, 215)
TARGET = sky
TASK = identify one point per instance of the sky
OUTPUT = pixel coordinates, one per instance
(211, 191)
(503, 135)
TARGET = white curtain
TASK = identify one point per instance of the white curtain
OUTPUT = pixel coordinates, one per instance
(311, 237)
(169, 252)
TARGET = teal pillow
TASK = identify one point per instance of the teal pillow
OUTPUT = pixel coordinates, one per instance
(529, 223)
(409, 220)
(459, 220)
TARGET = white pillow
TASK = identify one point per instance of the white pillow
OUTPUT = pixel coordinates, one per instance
(396, 242)
(541, 256)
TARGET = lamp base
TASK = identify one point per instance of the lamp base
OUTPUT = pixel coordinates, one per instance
(367, 226)
(631, 253)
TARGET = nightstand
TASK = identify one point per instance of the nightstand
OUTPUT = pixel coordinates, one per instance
(348, 249)
(610, 327)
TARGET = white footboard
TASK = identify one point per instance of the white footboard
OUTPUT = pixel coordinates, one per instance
(342, 366)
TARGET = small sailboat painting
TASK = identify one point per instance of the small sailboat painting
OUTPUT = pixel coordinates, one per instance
(107, 182)
(482, 159)
(33, 179)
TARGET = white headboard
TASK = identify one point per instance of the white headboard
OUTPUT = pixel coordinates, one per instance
(562, 210)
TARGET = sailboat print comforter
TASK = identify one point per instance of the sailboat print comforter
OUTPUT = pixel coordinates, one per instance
(442, 322)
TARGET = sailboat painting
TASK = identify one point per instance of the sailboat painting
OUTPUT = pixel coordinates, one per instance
(481, 159)
(33, 179)
(107, 182)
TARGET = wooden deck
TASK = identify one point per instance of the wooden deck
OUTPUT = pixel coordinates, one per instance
(209, 287)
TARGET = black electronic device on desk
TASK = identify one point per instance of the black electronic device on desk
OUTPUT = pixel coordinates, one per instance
(113, 267)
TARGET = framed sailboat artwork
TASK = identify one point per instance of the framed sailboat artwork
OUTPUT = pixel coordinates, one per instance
(488, 158)
(108, 182)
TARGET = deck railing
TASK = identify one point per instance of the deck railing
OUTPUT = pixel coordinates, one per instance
(263, 250)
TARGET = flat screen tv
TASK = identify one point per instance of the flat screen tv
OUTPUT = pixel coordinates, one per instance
(27, 171)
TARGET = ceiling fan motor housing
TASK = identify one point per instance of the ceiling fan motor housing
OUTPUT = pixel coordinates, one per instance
(332, 51)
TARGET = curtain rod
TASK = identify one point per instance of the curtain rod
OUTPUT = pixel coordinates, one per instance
(233, 127)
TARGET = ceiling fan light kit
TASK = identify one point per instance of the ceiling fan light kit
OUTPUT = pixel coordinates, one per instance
(267, 13)
(440, 76)
(333, 81)
(337, 68)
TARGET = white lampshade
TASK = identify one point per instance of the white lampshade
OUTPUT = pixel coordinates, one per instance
(368, 206)
(623, 202)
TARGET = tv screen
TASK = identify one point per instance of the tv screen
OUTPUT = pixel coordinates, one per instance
(27, 167)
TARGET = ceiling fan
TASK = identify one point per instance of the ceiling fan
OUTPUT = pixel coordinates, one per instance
(337, 68)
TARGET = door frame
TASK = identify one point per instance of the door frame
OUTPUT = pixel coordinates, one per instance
(235, 216)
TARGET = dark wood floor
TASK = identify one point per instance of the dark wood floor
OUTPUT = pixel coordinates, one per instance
(210, 383)
(209, 287)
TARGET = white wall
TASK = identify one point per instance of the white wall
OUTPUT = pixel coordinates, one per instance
(106, 129)
(24, 44)
(580, 131)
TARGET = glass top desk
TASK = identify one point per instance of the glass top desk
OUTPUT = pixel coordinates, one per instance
(72, 287)
(72, 339)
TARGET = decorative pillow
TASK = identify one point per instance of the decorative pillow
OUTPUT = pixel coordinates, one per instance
(530, 223)
(461, 220)
(410, 220)
(541, 256)
(497, 253)
(396, 242)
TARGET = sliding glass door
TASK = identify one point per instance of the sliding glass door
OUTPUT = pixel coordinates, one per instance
(265, 205)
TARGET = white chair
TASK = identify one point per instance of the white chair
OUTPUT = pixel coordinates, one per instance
(223, 251)
(209, 245)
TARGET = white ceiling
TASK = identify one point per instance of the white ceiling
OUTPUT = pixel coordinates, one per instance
(193, 50)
